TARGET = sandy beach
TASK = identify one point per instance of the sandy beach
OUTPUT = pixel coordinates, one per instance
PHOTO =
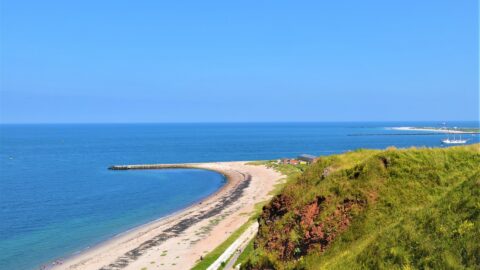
(177, 241)
(430, 130)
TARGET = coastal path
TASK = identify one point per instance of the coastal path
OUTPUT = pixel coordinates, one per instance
(233, 249)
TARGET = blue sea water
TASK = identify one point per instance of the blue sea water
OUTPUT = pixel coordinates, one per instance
(57, 196)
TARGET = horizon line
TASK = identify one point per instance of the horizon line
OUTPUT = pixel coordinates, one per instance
(233, 122)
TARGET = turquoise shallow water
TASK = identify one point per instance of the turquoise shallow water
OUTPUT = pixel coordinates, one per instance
(57, 196)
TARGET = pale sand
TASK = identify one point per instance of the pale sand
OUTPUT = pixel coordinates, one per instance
(188, 234)
(430, 130)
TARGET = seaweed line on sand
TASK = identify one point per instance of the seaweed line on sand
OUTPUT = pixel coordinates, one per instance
(175, 230)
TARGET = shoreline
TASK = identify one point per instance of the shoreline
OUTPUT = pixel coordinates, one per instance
(197, 229)
(76, 254)
(432, 130)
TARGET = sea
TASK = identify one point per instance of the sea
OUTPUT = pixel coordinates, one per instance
(58, 198)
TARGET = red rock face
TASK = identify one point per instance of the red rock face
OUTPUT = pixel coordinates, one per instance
(276, 208)
(319, 235)
(312, 232)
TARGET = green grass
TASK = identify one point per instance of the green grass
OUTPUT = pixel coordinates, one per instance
(286, 169)
(412, 209)
(246, 253)
(212, 256)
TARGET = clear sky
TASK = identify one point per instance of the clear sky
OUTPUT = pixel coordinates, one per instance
(226, 61)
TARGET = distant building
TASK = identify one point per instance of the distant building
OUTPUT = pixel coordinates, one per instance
(307, 158)
(291, 161)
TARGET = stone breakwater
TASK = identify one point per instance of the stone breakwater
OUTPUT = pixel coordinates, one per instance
(152, 166)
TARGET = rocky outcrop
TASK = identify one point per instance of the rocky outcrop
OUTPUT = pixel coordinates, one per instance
(319, 234)
(278, 207)
(308, 232)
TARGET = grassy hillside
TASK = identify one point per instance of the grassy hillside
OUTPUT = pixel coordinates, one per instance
(392, 209)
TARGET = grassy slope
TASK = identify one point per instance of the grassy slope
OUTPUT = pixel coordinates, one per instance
(420, 209)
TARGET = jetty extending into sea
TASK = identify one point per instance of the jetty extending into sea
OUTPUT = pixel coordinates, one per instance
(154, 166)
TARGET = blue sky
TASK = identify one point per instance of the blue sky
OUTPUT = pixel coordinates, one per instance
(228, 61)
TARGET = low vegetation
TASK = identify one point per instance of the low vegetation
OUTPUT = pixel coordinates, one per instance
(371, 209)
(212, 256)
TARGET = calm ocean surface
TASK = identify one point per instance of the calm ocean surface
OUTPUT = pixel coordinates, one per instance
(57, 196)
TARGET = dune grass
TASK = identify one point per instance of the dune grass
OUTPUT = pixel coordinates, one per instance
(418, 209)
